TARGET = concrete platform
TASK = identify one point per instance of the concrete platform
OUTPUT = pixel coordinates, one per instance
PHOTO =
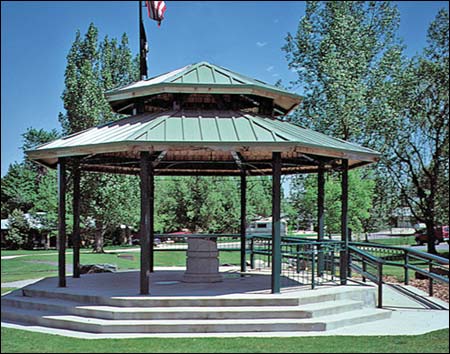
(108, 305)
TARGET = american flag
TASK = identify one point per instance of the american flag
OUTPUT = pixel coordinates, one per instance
(156, 10)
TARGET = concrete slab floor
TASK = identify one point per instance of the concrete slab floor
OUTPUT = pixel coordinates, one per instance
(409, 317)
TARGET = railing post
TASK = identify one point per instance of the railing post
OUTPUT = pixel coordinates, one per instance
(380, 285)
(406, 268)
(252, 255)
(364, 268)
(430, 284)
(313, 268)
(298, 259)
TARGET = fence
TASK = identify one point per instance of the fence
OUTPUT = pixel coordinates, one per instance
(429, 266)
(303, 262)
(313, 263)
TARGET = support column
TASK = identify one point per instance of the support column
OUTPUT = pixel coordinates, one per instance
(62, 222)
(344, 223)
(145, 223)
(152, 213)
(243, 220)
(320, 216)
(76, 218)
(276, 226)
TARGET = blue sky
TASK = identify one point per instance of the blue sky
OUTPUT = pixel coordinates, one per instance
(243, 36)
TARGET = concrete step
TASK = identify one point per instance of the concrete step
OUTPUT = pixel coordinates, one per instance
(160, 313)
(365, 294)
(174, 301)
(94, 325)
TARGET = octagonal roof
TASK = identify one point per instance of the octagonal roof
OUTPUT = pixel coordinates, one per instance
(202, 142)
(202, 78)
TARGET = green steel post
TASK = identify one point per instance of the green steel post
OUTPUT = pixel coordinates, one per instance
(380, 285)
(252, 255)
(151, 201)
(313, 269)
(76, 218)
(320, 217)
(344, 223)
(406, 268)
(364, 268)
(145, 223)
(62, 222)
(276, 226)
(243, 221)
(298, 259)
(430, 283)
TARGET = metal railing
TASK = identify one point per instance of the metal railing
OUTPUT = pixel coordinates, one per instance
(308, 262)
(170, 242)
(303, 262)
(430, 266)
(368, 266)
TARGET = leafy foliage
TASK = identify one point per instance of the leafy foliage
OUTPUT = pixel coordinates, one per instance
(304, 200)
(417, 157)
(19, 230)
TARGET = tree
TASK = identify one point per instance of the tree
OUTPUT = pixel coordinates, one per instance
(346, 55)
(361, 189)
(91, 69)
(417, 157)
(336, 53)
(19, 230)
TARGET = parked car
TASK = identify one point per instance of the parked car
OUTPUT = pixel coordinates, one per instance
(135, 240)
(441, 234)
(179, 236)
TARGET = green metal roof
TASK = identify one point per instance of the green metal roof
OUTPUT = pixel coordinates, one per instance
(202, 134)
(204, 77)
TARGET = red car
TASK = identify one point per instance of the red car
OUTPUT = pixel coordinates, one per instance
(440, 233)
(179, 236)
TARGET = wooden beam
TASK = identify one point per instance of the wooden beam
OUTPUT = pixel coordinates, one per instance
(243, 221)
(145, 224)
(159, 158)
(238, 159)
(62, 175)
(344, 223)
(276, 225)
(76, 217)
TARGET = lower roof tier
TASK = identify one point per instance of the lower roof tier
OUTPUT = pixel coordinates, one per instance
(202, 143)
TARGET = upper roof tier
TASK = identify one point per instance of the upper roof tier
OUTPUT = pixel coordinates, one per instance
(213, 83)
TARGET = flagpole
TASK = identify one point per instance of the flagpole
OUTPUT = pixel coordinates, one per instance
(142, 44)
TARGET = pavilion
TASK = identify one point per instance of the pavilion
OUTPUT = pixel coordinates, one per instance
(204, 120)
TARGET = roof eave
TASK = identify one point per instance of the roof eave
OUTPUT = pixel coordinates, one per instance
(133, 93)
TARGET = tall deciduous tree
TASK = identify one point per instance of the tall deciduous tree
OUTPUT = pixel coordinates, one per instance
(91, 69)
(345, 55)
(418, 155)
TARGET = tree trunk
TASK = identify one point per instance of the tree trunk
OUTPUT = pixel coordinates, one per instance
(431, 236)
(98, 243)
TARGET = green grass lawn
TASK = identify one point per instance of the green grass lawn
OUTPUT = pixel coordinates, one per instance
(396, 241)
(30, 342)
(39, 265)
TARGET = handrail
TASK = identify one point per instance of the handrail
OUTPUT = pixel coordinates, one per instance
(199, 235)
(367, 255)
(378, 262)
(424, 255)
